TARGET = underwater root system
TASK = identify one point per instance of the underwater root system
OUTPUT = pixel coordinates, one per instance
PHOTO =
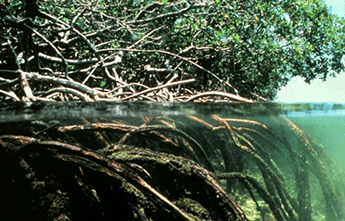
(188, 168)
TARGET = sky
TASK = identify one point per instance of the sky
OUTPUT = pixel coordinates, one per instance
(332, 90)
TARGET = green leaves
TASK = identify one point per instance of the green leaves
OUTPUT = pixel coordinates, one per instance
(102, 83)
(254, 45)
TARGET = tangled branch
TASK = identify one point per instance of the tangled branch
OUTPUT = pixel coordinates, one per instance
(192, 167)
(88, 54)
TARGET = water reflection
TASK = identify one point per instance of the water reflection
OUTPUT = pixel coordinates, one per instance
(316, 113)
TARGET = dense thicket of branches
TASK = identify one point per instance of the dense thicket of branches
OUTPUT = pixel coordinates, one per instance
(79, 169)
(163, 50)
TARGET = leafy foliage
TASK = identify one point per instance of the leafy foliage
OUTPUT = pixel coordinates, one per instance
(250, 48)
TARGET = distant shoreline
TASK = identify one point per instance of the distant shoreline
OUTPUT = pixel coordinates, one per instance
(316, 113)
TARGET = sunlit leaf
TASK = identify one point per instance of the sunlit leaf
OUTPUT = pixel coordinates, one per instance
(102, 83)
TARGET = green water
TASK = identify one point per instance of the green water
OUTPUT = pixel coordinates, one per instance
(329, 131)
(271, 169)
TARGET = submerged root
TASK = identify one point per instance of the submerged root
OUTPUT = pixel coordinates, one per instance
(187, 168)
(54, 180)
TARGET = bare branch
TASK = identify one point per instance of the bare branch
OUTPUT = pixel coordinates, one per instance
(74, 92)
(221, 94)
(69, 61)
(53, 47)
(66, 83)
(10, 94)
(170, 14)
(25, 85)
(177, 56)
(157, 88)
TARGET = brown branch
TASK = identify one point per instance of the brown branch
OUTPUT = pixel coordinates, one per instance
(252, 122)
(157, 88)
(170, 14)
(33, 76)
(69, 61)
(52, 46)
(97, 127)
(102, 164)
(74, 92)
(199, 150)
(221, 94)
(174, 55)
(10, 94)
(85, 39)
(25, 85)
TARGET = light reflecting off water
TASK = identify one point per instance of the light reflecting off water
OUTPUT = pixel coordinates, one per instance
(316, 113)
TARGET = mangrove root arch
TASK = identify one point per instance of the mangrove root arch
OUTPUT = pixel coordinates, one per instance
(165, 168)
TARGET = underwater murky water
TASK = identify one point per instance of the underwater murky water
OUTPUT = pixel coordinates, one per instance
(276, 165)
